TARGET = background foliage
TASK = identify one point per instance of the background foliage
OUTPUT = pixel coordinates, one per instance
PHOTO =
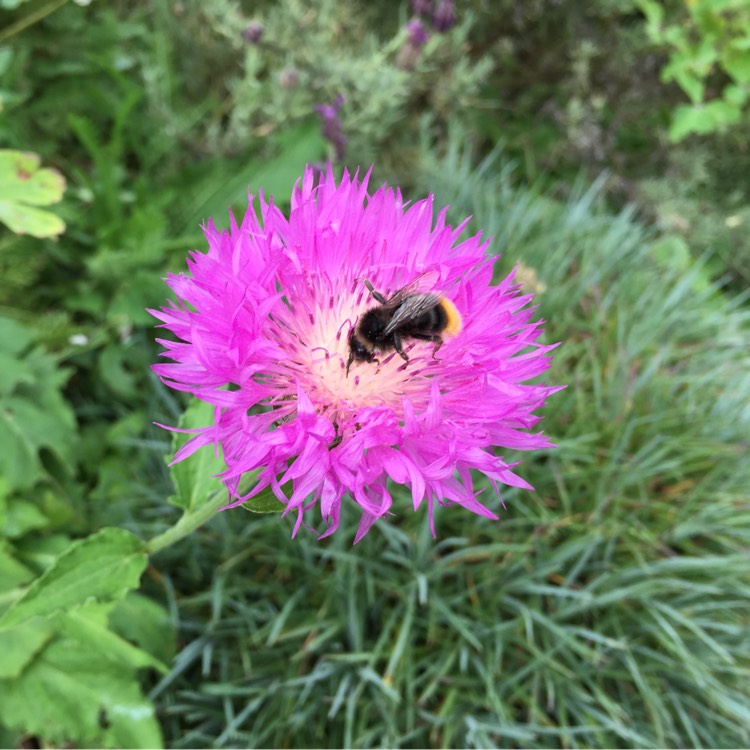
(607, 608)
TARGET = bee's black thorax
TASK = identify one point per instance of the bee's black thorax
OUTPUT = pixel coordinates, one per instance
(417, 316)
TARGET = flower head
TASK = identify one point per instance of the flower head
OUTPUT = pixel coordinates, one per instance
(253, 32)
(444, 17)
(271, 309)
(416, 33)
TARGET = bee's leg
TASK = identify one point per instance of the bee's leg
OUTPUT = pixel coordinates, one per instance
(378, 296)
(434, 337)
(438, 343)
(398, 346)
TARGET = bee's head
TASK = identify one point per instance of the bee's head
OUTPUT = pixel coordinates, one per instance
(360, 349)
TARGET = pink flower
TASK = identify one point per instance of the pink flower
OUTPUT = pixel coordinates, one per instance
(269, 311)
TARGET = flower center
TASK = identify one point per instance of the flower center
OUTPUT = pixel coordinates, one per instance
(319, 343)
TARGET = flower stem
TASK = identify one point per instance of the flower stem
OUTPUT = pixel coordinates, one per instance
(191, 520)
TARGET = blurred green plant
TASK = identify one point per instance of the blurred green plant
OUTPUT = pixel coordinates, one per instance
(709, 58)
(23, 187)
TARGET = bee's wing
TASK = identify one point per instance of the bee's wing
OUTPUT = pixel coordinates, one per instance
(419, 285)
(412, 306)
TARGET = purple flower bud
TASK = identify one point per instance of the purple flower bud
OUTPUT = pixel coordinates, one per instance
(444, 17)
(253, 33)
(416, 33)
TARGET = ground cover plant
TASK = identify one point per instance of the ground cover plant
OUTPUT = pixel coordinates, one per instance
(608, 607)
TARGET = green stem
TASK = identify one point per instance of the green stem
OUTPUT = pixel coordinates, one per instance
(30, 20)
(190, 521)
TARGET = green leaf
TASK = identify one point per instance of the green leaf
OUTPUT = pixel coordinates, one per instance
(89, 626)
(699, 118)
(264, 502)
(24, 185)
(12, 571)
(736, 95)
(20, 644)
(654, 12)
(23, 219)
(737, 64)
(146, 623)
(26, 426)
(22, 516)
(672, 252)
(103, 566)
(194, 478)
(14, 337)
(70, 692)
(13, 372)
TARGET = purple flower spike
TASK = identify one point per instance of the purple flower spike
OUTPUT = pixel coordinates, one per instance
(331, 127)
(444, 17)
(416, 33)
(270, 308)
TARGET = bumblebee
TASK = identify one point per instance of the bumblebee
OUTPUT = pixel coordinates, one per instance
(408, 314)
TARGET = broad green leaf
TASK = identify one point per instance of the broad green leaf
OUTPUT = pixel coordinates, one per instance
(70, 693)
(89, 626)
(23, 185)
(19, 645)
(194, 478)
(146, 623)
(26, 426)
(41, 553)
(23, 219)
(13, 372)
(103, 566)
(14, 337)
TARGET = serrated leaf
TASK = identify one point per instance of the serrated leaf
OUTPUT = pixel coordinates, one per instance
(69, 694)
(103, 566)
(23, 186)
(26, 426)
(194, 478)
(19, 645)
